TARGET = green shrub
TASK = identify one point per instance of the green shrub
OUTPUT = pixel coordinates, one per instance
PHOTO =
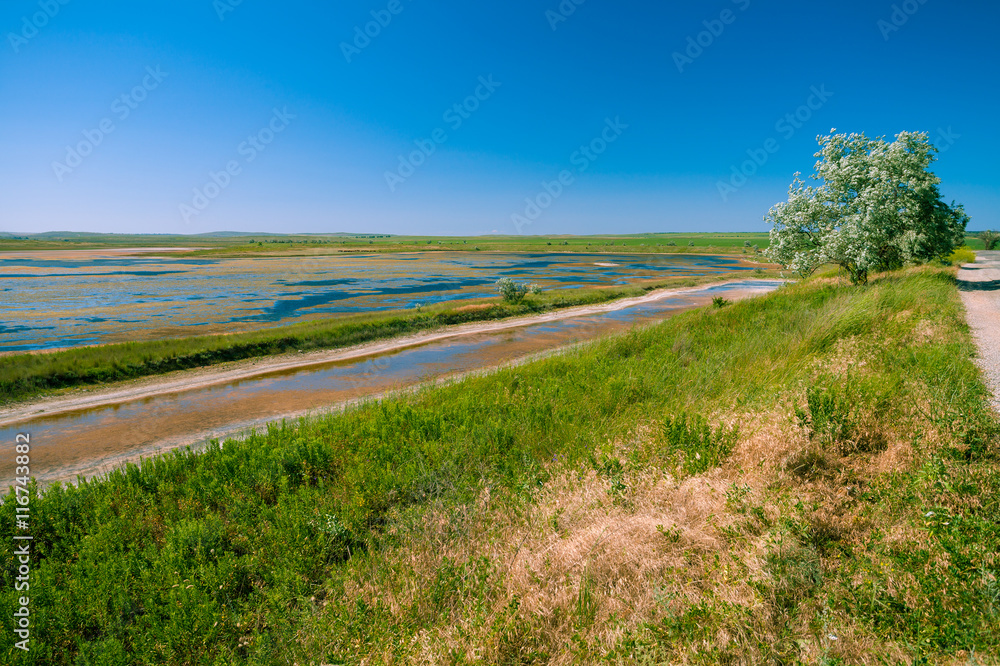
(795, 574)
(699, 446)
(514, 292)
(826, 415)
(963, 255)
(720, 302)
(849, 419)
(991, 239)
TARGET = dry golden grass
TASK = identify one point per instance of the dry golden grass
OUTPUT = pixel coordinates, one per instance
(475, 307)
(659, 547)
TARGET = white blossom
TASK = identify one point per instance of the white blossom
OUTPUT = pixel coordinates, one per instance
(877, 207)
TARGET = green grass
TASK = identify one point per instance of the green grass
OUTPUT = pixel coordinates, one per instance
(27, 375)
(297, 244)
(973, 241)
(303, 244)
(746, 243)
(390, 533)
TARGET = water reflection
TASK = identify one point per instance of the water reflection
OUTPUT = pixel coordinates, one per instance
(93, 440)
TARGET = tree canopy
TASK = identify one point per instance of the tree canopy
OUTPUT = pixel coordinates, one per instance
(990, 239)
(876, 206)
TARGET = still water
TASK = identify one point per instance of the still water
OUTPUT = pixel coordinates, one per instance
(95, 440)
(69, 299)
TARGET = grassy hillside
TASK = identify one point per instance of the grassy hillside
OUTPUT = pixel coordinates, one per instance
(810, 476)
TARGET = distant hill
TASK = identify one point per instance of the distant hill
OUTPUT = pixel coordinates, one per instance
(89, 236)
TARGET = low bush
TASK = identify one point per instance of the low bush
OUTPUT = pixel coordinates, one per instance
(699, 446)
(963, 255)
(990, 238)
(720, 302)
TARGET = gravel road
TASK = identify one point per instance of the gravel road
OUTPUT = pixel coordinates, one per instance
(980, 287)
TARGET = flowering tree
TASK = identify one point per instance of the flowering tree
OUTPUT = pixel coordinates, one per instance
(877, 207)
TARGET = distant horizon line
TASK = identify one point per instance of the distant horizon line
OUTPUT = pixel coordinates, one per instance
(19, 235)
(9, 234)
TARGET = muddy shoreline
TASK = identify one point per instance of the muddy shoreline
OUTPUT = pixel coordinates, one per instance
(185, 380)
(90, 432)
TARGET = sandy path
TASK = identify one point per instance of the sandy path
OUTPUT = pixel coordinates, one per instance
(980, 287)
(220, 374)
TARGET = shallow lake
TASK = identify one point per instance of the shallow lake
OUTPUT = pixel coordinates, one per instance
(91, 441)
(55, 300)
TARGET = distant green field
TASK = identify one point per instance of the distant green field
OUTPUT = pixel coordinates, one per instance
(219, 245)
(248, 244)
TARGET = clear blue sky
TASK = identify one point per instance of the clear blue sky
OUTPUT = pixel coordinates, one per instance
(219, 81)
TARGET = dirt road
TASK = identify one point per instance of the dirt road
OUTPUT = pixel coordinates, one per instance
(980, 287)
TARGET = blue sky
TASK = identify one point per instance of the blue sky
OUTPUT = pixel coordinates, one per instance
(571, 118)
